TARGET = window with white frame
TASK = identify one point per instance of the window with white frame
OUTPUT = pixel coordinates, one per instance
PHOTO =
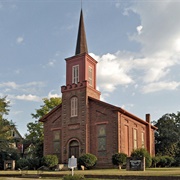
(74, 106)
(142, 139)
(75, 74)
(135, 138)
(90, 75)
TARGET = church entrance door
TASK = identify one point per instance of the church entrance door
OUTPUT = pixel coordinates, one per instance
(74, 149)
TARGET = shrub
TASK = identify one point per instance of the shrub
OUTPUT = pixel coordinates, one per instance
(165, 161)
(141, 153)
(75, 177)
(177, 162)
(169, 161)
(50, 160)
(22, 163)
(155, 161)
(87, 160)
(119, 159)
(162, 162)
(34, 163)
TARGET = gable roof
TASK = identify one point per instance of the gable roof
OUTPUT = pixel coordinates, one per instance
(44, 118)
(118, 109)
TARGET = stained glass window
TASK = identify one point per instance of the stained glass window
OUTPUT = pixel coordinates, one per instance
(56, 142)
(102, 140)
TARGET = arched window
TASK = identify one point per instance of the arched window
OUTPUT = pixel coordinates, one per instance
(74, 106)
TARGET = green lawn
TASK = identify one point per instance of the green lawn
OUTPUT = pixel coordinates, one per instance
(108, 172)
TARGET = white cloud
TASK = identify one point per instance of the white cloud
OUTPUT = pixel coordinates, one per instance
(151, 67)
(127, 106)
(118, 3)
(11, 85)
(53, 94)
(51, 62)
(30, 87)
(139, 29)
(28, 97)
(112, 71)
(158, 86)
(160, 27)
(20, 40)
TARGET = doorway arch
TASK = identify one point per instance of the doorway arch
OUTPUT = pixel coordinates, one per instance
(74, 148)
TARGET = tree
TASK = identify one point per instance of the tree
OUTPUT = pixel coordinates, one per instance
(35, 129)
(119, 159)
(141, 153)
(87, 160)
(167, 135)
(50, 160)
(48, 105)
(6, 126)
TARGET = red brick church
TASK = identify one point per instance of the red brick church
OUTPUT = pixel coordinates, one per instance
(85, 124)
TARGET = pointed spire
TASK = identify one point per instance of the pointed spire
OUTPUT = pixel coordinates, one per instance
(81, 46)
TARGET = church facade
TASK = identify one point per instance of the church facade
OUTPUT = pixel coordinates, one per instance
(85, 124)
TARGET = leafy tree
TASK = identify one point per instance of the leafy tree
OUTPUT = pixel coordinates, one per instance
(167, 135)
(141, 153)
(4, 123)
(22, 163)
(35, 133)
(155, 161)
(50, 160)
(4, 107)
(119, 159)
(49, 104)
(6, 152)
(87, 160)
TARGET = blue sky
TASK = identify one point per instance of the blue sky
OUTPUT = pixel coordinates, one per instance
(136, 44)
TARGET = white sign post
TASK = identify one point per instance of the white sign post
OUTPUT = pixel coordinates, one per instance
(72, 163)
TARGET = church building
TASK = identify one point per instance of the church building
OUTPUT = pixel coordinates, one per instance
(85, 124)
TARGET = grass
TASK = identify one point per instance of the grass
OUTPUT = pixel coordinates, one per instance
(108, 172)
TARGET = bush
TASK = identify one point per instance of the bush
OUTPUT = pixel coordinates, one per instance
(119, 159)
(75, 177)
(162, 162)
(34, 163)
(165, 161)
(169, 161)
(177, 162)
(155, 161)
(22, 163)
(141, 153)
(87, 160)
(50, 160)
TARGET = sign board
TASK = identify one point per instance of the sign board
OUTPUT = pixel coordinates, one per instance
(72, 162)
(135, 164)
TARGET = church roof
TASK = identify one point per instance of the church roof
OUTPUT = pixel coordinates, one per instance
(44, 118)
(118, 109)
(81, 46)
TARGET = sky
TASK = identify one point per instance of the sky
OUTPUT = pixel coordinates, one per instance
(136, 44)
